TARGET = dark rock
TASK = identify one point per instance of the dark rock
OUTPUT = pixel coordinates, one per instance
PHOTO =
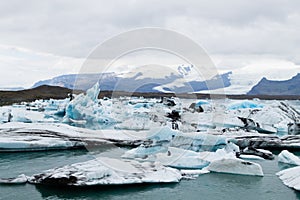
(294, 128)
(196, 108)
(174, 115)
(252, 151)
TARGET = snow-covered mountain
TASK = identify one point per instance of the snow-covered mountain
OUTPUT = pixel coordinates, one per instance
(183, 79)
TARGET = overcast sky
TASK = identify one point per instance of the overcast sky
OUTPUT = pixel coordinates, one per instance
(42, 39)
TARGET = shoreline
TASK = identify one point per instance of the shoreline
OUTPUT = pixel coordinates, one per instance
(56, 92)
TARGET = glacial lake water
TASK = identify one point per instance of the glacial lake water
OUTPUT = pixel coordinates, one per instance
(213, 186)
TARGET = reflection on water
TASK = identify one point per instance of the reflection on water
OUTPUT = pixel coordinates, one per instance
(100, 192)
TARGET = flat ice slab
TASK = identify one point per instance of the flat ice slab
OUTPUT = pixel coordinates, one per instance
(288, 158)
(290, 177)
(236, 166)
(107, 171)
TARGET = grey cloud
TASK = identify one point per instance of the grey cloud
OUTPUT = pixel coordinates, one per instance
(73, 28)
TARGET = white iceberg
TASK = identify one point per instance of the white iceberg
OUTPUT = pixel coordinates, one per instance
(12, 143)
(21, 179)
(180, 158)
(290, 177)
(270, 117)
(236, 166)
(172, 157)
(288, 158)
(250, 157)
(107, 171)
(16, 136)
(197, 141)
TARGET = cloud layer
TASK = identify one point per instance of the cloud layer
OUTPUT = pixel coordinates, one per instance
(68, 30)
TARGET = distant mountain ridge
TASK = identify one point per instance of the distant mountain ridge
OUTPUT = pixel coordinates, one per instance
(136, 83)
(11, 88)
(269, 87)
(41, 92)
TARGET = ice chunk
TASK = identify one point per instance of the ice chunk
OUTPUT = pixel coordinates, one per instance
(277, 114)
(250, 150)
(143, 151)
(87, 107)
(236, 166)
(21, 179)
(34, 142)
(251, 157)
(135, 123)
(172, 157)
(202, 102)
(163, 133)
(193, 173)
(180, 158)
(198, 141)
(107, 171)
(288, 158)
(290, 177)
(244, 104)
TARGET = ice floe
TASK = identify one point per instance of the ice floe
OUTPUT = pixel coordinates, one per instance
(236, 166)
(290, 177)
(107, 171)
(288, 158)
(21, 179)
(180, 158)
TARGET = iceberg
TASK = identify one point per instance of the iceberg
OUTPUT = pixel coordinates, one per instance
(193, 173)
(290, 177)
(277, 114)
(245, 123)
(197, 141)
(244, 104)
(162, 134)
(144, 151)
(138, 123)
(21, 179)
(269, 118)
(257, 152)
(172, 157)
(202, 102)
(16, 136)
(263, 141)
(288, 158)
(88, 108)
(23, 136)
(180, 158)
(107, 171)
(236, 166)
(18, 142)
